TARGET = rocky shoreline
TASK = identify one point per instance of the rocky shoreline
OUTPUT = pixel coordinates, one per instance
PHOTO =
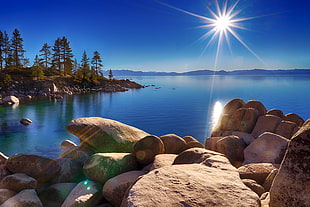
(254, 157)
(30, 90)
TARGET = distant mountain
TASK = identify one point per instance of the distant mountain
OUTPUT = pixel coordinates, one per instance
(211, 72)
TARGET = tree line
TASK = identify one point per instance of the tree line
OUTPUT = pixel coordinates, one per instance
(56, 59)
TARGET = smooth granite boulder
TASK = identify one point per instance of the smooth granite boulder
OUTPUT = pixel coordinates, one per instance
(286, 129)
(233, 105)
(25, 198)
(259, 106)
(294, 118)
(191, 185)
(70, 171)
(41, 168)
(266, 123)
(194, 155)
(5, 194)
(3, 170)
(115, 188)
(276, 112)
(56, 194)
(147, 148)
(246, 137)
(161, 160)
(191, 142)
(291, 186)
(18, 182)
(102, 166)
(254, 186)
(268, 147)
(173, 144)
(243, 120)
(77, 153)
(85, 194)
(256, 171)
(105, 135)
(10, 100)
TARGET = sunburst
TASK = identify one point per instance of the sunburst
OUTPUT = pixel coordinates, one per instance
(222, 24)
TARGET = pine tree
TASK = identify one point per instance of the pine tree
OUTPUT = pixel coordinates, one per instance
(85, 69)
(76, 66)
(66, 53)
(56, 58)
(6, 49)
(97, 62)
(45, 55)
(110, 74)
(17, 48)
(37, 70)
(1, 51)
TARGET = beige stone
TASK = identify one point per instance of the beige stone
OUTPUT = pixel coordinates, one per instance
(246, 137)
(254, 186)
(191, 185)
(27, 197)
(286, 129)
(268, 147)
(266, 123)
(276, 112)
(256, 171)
(294, 118)
(161, 160)
(115, 188)
(173, 144)
(105, 135)
(194, 155)
(261, 109)
(291, 186)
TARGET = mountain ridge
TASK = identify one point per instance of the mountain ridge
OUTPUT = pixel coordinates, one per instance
(212, 72)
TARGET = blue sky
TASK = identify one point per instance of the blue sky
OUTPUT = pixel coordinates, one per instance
(147, 35)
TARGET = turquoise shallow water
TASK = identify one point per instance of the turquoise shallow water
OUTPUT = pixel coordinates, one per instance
(181, 104)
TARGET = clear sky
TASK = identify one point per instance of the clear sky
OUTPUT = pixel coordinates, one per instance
(150, 36)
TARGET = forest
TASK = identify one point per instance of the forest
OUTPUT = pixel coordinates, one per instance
(55, 60)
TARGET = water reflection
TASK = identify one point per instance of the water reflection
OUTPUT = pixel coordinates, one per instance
(216, 113)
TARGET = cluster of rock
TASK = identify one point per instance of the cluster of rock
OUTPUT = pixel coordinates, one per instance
(120, 165)
(25, 90)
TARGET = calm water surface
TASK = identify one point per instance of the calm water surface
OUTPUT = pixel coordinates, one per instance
(181, 105)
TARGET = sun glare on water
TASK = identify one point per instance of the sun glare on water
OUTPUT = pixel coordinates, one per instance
(216, 113)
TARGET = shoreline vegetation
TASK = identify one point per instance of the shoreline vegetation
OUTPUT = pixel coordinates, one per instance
(54, 72)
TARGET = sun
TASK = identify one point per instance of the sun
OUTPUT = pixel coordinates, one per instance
(223, 23)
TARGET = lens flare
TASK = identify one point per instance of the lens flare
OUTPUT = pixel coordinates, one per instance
(216, 113)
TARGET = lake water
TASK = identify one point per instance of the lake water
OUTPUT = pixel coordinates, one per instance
(182, 105)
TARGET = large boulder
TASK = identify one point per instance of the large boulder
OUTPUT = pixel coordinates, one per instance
(232, 106)
(147, 148)
(85, 194)
(246, 137)
(232, 147)
(41, 168)
(27, 197)
(115, 188)
(291, 186)
(18, 182)
(67, 144)
(103, 166)
(5, 194)
(173, 144)
(276, 112)
(266, 123)
(268, 147)
(77, 153)
(256, 171)
(243, 120)
(3, 170)
(194, 155)
(56, 194)
(191, 185)
(286, 129)
(105, 135)
(294, 118)
(259, 106)
(161, 160)
(70, 171)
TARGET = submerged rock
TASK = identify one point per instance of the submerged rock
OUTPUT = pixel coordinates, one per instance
(25, 121)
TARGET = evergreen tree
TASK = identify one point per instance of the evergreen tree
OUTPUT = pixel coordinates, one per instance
(6, 49)
(17, 49)
(110, 74)
(84, 69)
(76, 66)
(66, 56)
(97, 62)
(37, 70)
(45, 55)
(56, 58)
(1, 51)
